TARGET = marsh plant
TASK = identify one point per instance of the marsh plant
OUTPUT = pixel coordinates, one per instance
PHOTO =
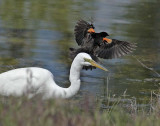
(84, 112)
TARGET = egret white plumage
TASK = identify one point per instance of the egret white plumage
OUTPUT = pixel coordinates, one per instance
(34, 80)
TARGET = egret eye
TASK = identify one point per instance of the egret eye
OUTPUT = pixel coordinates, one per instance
(87, 60)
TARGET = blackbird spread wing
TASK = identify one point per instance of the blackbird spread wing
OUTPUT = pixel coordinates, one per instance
(80, 31)
(114, 49)
(95, 44)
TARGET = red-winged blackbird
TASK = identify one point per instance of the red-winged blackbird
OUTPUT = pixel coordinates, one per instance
(97, 45)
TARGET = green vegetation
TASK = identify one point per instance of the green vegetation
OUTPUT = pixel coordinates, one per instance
(86, 112)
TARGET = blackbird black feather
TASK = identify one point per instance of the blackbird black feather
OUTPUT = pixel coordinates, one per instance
(94, 43)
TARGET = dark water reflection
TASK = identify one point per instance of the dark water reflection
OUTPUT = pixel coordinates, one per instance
(39, 33)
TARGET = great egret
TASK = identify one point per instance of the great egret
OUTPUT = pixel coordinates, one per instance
(97, 44)
(34, 80)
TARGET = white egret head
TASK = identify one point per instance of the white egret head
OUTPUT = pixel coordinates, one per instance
(86, 60)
